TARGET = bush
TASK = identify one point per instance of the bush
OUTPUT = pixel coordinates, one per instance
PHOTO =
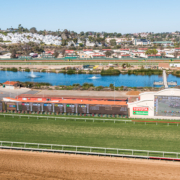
(110, 72)
(12, 69)
(27, 70)
(71, 71)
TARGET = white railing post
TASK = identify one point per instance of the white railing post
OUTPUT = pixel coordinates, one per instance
(51, 146)
(163, 154)
(76, 148)
(132, 152)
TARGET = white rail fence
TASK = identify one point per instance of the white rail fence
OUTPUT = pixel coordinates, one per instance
(64, 118)
(88, 119)
(88, 150)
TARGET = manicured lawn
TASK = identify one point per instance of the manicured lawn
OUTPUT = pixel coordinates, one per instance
(98, 134)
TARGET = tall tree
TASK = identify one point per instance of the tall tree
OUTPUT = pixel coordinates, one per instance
(81, 33)
(56, 54)
(13, 53)
(113, 42)
(33, 30)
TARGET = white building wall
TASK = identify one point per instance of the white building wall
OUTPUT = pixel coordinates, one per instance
(147, 100)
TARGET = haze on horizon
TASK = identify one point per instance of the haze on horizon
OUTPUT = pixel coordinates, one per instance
(82, 15)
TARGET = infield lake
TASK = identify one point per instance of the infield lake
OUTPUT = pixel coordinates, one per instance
(96, 79)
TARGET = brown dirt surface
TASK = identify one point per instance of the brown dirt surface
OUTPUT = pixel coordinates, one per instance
(19, 165)
(133, 93)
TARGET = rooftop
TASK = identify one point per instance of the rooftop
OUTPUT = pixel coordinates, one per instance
(70, 101)
(10, 83)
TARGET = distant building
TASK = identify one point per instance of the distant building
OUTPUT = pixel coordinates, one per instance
(141, 42)
(10, 84)
(164, 43)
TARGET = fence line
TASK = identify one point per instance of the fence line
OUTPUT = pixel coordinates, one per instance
(91, 119)
(74, 118)
(88, 150)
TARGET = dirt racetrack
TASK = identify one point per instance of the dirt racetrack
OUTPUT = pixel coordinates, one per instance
(19, 165)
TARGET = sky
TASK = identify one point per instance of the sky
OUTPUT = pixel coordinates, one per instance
(121, 16)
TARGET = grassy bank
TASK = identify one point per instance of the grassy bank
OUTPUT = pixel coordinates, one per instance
(98, 134)
(145, 72)
(110, 72)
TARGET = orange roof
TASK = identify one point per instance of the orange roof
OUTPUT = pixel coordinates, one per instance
(10, 82)
(74, 101)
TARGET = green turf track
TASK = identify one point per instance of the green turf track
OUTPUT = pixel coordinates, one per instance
(98, 134)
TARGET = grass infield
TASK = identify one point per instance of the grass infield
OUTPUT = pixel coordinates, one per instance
(98, 134)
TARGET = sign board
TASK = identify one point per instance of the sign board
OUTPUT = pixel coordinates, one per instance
(11, 106)
(140, 110)
(167, 106)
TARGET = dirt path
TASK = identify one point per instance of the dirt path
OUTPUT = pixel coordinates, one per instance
(37, 166)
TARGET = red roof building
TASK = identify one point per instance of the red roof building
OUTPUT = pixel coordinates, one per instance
(10, 84)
